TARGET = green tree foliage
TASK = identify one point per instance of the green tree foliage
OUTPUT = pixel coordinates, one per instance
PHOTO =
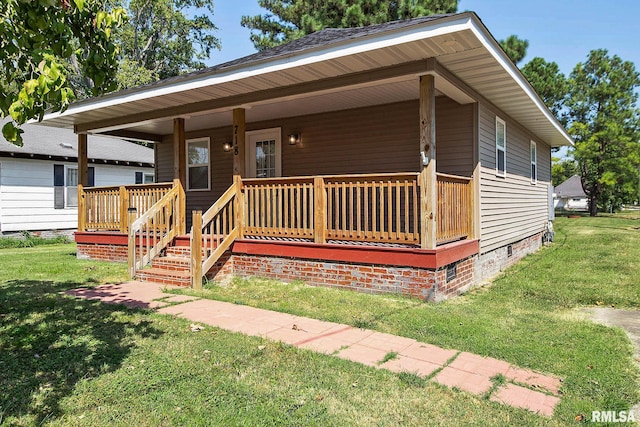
(164, 38)
(549, 82)
(515, 48)
(37, 38)
(562, 169)
(604, 121)
(291, 19)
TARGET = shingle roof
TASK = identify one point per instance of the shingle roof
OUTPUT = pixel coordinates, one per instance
(322, 38)
(60, 143)
(572, 187)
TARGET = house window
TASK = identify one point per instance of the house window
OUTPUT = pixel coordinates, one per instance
(501, 147)
(144, 178)
(534, 163)
(198, 176)
(65, 185)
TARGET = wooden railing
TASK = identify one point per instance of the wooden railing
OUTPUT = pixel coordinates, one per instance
(454, 218)
(214, 232)
(105, 208)
(280, 207)
(372, 208)
(152, 231)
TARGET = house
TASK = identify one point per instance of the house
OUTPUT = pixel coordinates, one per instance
(39, 181)
(570, 196)
(409, 157)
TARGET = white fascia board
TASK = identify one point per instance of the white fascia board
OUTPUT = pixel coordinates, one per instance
(489, 43)
(360, 45)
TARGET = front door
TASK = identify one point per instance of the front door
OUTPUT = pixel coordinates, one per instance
(264, 153)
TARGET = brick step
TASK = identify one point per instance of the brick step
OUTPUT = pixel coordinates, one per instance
(177, 263)
(164, 276)
(178, 251)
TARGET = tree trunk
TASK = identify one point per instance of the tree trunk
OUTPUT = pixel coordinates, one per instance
(593, 206)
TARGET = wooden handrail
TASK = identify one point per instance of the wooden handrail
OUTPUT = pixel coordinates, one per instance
(455, 208)
(156, 228)
(213, 232)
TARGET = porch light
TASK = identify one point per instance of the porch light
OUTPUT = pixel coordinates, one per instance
(294, 139)
(226, 147)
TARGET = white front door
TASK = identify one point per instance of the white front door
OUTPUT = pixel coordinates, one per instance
(264, 152)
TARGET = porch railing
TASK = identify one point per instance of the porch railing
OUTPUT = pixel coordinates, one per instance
(454, 218)
(152, 231)
(105, 208)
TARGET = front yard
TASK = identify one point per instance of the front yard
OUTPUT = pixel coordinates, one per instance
(75, 362)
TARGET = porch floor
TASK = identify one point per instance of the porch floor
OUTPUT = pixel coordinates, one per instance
(466, 371)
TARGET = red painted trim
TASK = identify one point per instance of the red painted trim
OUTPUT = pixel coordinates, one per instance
(102, 238)
(402, 257)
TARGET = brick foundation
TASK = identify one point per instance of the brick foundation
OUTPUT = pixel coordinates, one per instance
(491, 263)
(102, 252)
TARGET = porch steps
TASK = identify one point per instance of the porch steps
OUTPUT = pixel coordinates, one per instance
(174, 268)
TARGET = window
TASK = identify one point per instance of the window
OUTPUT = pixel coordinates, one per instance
(534, 163)
(144, 178)
(501, 147)
(198, 176)
(65, 185)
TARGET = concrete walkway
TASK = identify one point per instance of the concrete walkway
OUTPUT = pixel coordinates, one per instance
(466, 371)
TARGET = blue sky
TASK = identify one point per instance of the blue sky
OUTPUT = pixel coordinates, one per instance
(563, 31)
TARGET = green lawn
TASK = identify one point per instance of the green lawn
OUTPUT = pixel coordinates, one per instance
(74, 362)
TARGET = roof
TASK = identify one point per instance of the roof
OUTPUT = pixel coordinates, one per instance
(303, 77)
(572, 187)
(61, 144)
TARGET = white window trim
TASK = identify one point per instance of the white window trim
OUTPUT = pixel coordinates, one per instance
(250, 154)
(66, 186)
(534, 161)
(504, 125)
(187, 165)
(152, 175)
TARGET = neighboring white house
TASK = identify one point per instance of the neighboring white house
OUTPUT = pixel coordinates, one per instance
(570, 196)
(38, 181)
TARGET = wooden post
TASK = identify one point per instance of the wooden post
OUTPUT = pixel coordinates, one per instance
(239, 129)
(124, 209)
(427, 178)
(179, 152)
(476, 209)
(131, 255)
(82, 209)
(83, 167)
(180, 209)
(320, 210)
(239, 206)
(196, 251)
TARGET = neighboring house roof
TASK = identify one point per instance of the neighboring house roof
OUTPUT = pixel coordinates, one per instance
(44, 142)
(571, 188)
(332, 68)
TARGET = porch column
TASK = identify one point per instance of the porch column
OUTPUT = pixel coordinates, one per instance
(239, 129)
(428, 193)
(83, 168)
(179, 152)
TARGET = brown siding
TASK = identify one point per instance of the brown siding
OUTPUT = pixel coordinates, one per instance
(512, 208)
(375, 139)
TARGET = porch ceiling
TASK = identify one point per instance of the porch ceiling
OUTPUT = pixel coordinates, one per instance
(377, 68)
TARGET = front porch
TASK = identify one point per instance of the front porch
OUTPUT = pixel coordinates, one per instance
(366, 221)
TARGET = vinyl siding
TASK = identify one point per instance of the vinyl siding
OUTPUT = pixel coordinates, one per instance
(512, 208)
(377, 139)
(26, 193)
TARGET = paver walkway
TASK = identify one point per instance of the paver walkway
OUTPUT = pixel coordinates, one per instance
(466, 371)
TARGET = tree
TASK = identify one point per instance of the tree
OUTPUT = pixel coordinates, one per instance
(37, 38)
(562, 170)
(515, 48)
(291, 19)
(605, 121)
(164, 38)
(549, 82)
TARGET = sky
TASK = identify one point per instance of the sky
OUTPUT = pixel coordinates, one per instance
(563, 31)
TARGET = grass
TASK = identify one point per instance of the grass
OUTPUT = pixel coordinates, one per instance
(28, 240)
(75, 362)
(531, 315)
